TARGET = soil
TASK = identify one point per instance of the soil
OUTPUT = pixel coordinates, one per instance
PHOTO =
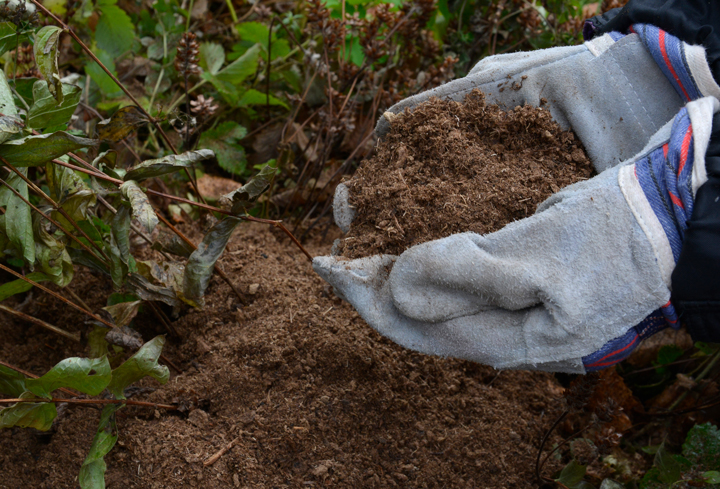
(295, 388)
(450, 167)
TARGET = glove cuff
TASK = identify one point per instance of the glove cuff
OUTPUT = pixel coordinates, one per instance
(660, 187)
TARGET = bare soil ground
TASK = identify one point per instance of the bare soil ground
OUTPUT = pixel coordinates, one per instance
(296, 388)
(449, 167)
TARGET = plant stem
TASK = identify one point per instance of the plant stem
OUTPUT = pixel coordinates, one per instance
(711, 363)
(544, 440)
(57, 207)
(124, 402)
(57, 296)
(53, 221)
(233, 14)
(41, 323)
(89, 52)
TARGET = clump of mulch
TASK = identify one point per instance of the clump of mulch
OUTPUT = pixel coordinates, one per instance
(450, 167)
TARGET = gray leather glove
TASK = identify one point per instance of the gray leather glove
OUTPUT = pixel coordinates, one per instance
(548, 290)
(611, 91)
(613, 94)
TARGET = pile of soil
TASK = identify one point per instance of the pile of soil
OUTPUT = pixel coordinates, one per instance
(449, 167)
(294, 386)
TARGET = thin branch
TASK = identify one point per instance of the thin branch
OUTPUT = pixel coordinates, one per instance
(41, 323)
(33, 376)
(56, 295)
(158, 314)
(57, 206)
(542, 444)
(277, 224)
(124, 402)
(89, 52)
(53, 221)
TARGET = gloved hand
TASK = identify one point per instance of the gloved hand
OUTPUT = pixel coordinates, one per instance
(614, 91)
(547, 291)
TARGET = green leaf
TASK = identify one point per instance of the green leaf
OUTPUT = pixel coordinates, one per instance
(141, 208)
(167, 164)
(224, 140)
(24, 88)
(212, 57)
(122, 123)
(121, 230)
(56, 6)
(8, 37)
(706, 348)
(18, 218)
(201, 263)
(241, 198)
(51, 253)
(702, 446)
(97, 345)
(7, 104)
(670, 467)
(173, 245)
(106, 84)
(572, 475)
(87, 375)
(92, 472)
(254, 32)
(711, 477)
(668, 354)
(46, 112)
(9, 289)
(12, 383)
(227, 80)
(38, 150)
(9, 127)
(38, 415)
(69, 190)
(120, 265)
(115, 31)
(255, 97)
(147, 291)
(123, 312)
(45, 50)
(357, 53)
(143, 363)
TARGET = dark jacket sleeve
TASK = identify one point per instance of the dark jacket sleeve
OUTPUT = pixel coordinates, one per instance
(696, 279)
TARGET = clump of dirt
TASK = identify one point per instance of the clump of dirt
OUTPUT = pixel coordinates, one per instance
(449, 167)
(291, 390)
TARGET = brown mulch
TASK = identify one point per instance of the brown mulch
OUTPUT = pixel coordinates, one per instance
(297, 388)
(449, 167)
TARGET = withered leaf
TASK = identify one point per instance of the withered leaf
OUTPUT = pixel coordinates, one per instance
(121, 124)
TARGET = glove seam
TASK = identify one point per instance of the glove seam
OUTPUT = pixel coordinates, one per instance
(632, 40)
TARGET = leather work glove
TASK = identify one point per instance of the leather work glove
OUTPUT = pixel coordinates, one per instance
(547, 291)
(614, 91)
(575, 287)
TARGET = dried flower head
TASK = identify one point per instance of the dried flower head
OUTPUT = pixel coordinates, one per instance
(18, 12)
(187, 55)
(203, 108)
